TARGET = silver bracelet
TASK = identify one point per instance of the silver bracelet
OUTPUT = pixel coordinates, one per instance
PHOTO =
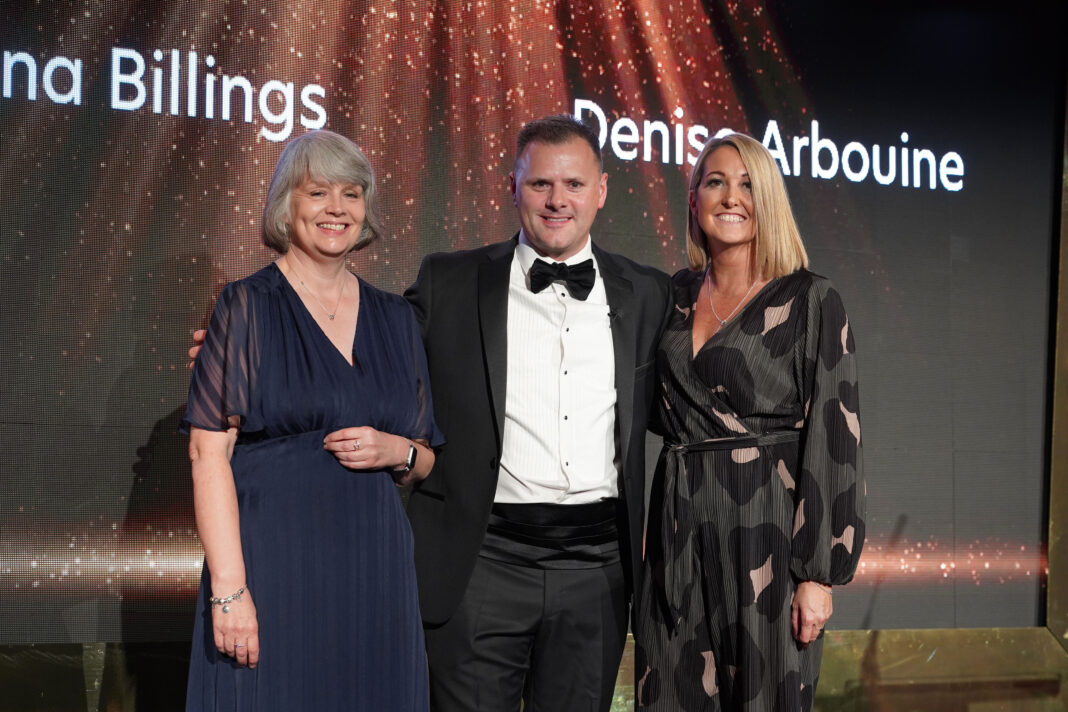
(823, 587)
(225, 601)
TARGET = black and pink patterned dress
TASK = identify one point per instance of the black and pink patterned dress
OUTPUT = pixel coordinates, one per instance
(758, 488)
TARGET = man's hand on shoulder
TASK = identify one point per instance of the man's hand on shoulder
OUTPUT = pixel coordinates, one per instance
(198, 343)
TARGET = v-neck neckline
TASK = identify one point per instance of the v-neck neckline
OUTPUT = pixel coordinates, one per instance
(319, 329)
(735, 319)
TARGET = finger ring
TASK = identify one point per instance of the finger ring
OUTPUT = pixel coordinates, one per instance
(238, 645)
(356, 445)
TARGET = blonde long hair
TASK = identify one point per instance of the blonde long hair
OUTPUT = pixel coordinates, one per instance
(779, 250)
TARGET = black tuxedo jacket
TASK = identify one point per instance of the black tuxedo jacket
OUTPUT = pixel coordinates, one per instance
(461, 302)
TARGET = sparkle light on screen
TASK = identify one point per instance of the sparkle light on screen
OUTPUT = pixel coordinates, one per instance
(138, 139)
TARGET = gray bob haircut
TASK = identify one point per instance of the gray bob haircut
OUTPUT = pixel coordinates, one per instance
(323, 156)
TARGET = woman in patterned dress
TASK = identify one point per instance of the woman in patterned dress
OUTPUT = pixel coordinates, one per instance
(758, 499)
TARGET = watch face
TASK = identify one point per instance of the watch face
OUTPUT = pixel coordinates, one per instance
(412, 452)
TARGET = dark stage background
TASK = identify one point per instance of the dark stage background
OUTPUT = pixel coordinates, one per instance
(133, 171)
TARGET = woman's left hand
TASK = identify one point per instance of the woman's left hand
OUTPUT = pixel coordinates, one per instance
(811, 608)
(365, 448)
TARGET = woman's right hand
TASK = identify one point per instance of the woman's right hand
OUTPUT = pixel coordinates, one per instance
(237, 632)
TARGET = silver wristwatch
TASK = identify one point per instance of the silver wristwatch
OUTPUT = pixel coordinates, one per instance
(410, 462)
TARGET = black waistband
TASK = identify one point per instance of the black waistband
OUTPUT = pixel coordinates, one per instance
(556, 524)
(742, 441)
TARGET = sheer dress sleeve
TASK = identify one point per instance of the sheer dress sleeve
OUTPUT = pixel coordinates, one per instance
(223, 384)
(829, 500)
(423, 427)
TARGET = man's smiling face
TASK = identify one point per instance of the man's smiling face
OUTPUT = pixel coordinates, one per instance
(558, 189)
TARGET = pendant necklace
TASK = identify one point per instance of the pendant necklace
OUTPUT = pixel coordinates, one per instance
(723, 322)
(339, 297)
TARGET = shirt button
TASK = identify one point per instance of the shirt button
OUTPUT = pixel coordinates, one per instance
(565, 417)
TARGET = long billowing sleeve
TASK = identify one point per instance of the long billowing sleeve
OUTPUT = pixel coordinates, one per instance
(829, 515)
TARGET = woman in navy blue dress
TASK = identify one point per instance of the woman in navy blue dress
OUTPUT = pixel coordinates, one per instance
(308, 404)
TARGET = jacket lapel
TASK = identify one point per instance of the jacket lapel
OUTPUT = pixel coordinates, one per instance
(620, 293)
(493, 275)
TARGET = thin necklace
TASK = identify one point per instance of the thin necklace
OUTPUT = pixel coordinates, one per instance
(723, 322)
(339, 296)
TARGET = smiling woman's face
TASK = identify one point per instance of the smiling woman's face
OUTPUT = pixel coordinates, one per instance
(325, 219)
(722, 202)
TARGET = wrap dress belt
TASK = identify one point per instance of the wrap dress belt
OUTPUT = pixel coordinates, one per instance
(677, 525)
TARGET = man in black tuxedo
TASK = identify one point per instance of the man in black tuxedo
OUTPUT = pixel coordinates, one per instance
(528, 532)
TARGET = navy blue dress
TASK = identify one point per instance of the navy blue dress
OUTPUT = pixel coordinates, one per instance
(328, 551)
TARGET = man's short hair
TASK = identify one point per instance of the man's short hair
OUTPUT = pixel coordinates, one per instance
(555, 130)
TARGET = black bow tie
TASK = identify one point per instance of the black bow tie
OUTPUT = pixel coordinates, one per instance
(578, 278)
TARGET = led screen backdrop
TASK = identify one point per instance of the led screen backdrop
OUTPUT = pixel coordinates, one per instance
(921, 152)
